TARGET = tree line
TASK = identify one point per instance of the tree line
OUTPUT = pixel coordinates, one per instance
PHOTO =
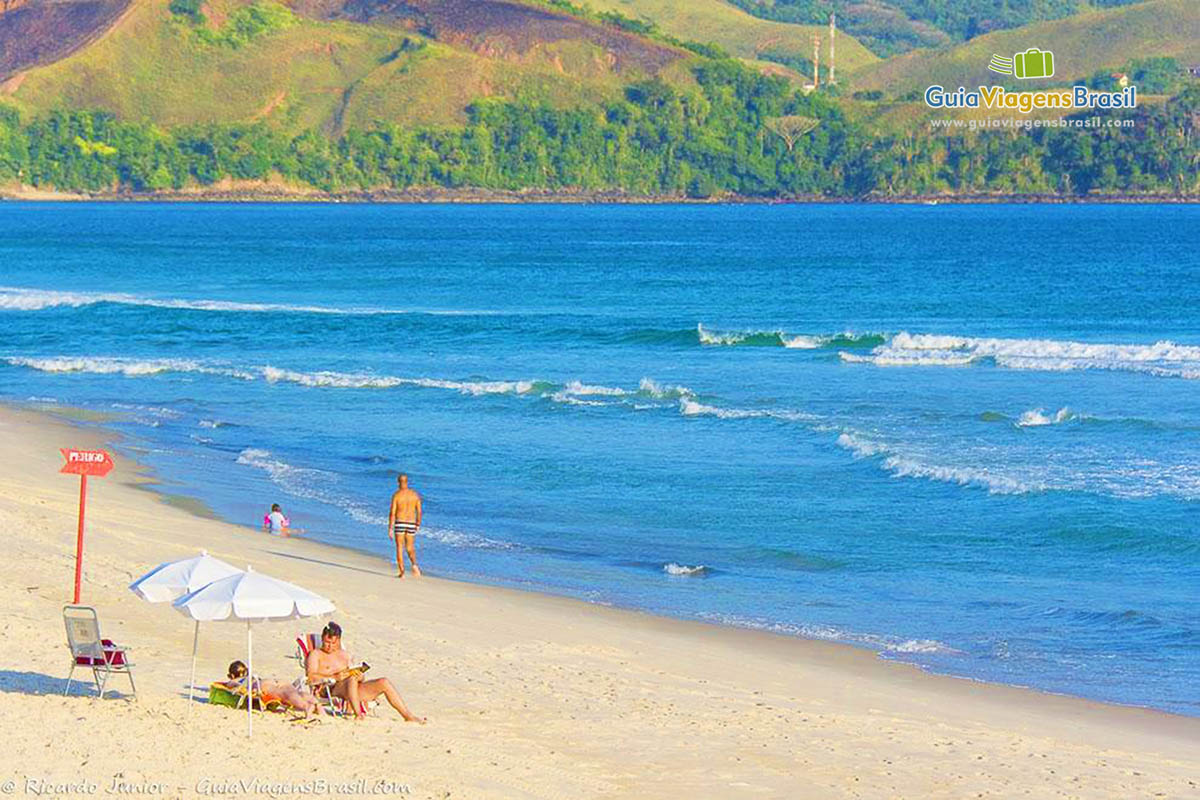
(722, 138)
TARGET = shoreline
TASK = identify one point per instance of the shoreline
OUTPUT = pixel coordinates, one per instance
(269, 192)
(145, 480)
(529, 695)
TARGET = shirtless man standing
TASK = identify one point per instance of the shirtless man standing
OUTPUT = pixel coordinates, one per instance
(331, 661)
(404, 520)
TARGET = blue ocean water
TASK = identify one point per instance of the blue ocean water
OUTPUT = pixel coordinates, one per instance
(967, 437)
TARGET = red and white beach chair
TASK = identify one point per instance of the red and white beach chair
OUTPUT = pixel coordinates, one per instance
(90, 651)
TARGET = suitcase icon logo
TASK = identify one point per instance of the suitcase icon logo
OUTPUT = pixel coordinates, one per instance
(1033, 63)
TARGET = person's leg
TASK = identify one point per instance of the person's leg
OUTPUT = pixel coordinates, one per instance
(399, 553)
(301, 701)
(382, 686)
(410, 545)
(348, 690)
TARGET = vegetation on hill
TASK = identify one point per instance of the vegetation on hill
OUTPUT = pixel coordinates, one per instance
(42, 32)
(1156, 75)
(1081, 45)
(737, 32)
(722, 136)
(889, 27)
(174, 64)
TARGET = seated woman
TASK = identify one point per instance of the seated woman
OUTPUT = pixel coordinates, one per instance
(270, 691)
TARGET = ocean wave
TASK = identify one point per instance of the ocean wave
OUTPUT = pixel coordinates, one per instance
(577, 388)
(157, 411)
(129, 367)
(563, 396)
(319, 485)
(21, 299)
(1129, 476)
(1037, 417)
(1128, 621)
(779, 338)
(891, 357)
(689, 407)
(911, 465)
(307, 483)
(880, 643)
(1161, 359)
(574, 392)
(684, 571)
(474, 541)
(344, 380)
(134, 368)
(648, 387)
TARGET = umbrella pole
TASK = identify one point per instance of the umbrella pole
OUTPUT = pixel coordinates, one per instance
(249, 681)
(192, 682)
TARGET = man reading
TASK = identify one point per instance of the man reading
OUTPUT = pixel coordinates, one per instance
(331, 662)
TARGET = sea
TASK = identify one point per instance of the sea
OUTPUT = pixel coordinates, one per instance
(965, 437)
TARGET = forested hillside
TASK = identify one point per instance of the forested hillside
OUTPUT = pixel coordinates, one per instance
(737, 133)
(380, 97)
(889, 27)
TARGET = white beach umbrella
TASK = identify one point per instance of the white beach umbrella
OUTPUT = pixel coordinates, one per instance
(252, 597)
(173, 579)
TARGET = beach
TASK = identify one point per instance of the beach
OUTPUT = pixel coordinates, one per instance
(528, 695)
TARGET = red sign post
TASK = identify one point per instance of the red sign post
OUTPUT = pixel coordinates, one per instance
(84, 463)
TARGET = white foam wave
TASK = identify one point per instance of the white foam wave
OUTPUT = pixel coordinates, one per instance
(877, 642)
(803, 342)
(891, 357)
(776, 337)
(569, 399)
(1036, 417)
(683, 570)
(915, 465)
(129, 367)
(307, 483)
(455, 538)
(714, 338)
(691, 408)
(157, 411)
(475, 388)
(662, 391)
(577, 388)
(1163, 358)
(22, 299)
(328, 379)
(318, 485)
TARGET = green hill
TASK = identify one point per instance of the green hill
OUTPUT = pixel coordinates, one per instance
(738, 32)
(1081, 45)
(331, 72)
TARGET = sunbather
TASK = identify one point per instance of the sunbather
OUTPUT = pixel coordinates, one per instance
(270, 691)
(331, 662)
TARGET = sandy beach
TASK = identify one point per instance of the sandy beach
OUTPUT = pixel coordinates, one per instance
(528, 696)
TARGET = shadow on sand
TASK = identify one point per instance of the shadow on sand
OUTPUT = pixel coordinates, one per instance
(82, 685)
(328, 563)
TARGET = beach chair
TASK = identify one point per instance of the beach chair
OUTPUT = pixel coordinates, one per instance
(89, 650)
(305, 644)
(221, 695)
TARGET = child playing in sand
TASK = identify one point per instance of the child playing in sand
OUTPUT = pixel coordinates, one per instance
(270, 691)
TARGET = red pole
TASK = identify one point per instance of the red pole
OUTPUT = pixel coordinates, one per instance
(79, 541)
